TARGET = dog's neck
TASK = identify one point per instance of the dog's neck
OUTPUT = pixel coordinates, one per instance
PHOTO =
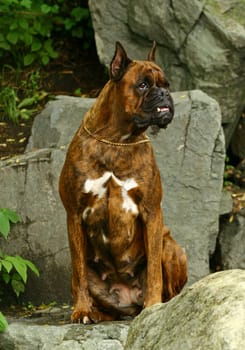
(109, 126)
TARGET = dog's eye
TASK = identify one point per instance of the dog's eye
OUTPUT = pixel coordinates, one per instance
(143, 85)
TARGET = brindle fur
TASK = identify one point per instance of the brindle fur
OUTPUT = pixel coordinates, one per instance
(121, 261)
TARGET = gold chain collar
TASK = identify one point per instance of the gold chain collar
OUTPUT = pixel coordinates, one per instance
(114, 143)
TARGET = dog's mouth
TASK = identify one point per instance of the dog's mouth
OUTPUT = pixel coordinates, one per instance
(162, 109)
(161, 116)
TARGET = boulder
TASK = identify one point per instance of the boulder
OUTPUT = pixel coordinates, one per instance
(238, 139)
(30, 335)
(201, 44)
(232, 242)
(208, 315)
(29, 185)
(190, 155)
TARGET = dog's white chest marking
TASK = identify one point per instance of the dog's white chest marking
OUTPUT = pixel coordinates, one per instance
(98, 188)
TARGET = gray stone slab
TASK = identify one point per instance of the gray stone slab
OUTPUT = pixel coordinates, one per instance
(208, 315)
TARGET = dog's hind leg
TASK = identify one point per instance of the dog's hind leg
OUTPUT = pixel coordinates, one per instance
(174, 266)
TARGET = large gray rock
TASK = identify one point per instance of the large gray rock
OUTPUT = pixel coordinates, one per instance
(208, 315)
(232, 243)
(56, 125)
(201, 44)
(30, 336)
(190, 155)
(29, 185)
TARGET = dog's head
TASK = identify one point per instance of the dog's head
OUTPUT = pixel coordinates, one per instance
(143, 89)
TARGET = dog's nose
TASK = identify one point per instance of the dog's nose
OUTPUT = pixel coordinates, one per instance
(164, 92)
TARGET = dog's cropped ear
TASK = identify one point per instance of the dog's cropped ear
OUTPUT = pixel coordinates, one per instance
(119, 62)
(151, 54)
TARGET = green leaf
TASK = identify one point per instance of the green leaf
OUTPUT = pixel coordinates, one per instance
(49, 49)
(18, 287)
(11, 215)
(6, 277)
(26, 3)
(46, 9)
(12, 37)
(7, 265)
(23, 23)
(69, 23)
(19, 266)
(45, 59)
(55, 9)
(14, 25)
(79, 13)
(32, 267)
(48, 45)
(5, 46)
(4, 225)
(3, 323)
(26, 113)
(37, 26)
(28, 59)
(28, 101)
(27, 38)
(36, 45)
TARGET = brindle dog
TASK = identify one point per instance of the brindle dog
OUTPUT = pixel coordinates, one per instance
(123, 256)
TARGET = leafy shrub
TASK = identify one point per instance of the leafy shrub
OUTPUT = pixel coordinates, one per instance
(14, 109)
(13, 269)
(27, 28)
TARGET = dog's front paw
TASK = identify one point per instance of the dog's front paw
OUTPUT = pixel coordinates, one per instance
(79, 316)
(95, 316)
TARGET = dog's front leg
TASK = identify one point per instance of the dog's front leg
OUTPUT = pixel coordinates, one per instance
(153, 247)
(82, 300)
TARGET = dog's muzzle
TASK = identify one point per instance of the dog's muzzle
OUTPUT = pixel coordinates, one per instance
(157, 108)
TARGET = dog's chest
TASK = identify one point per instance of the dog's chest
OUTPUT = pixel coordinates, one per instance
(109, 187)
(110, 214)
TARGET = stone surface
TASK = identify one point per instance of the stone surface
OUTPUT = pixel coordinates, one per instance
(23, 335)
(238, 139)
(56, 125)
(208, 315)
(29, 185)
(232, 243)
(201, 44)
(190, 155)
(226, 203)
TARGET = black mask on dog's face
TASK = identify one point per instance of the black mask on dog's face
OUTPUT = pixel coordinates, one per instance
(157, 108)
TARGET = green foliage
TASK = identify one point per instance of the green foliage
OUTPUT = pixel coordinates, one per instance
(28, 28)
(3, 323)
(7, 216)
(13, 269)
(10, 105)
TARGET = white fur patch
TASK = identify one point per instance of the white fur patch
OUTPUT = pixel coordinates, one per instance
(87, 211)
(97, 188)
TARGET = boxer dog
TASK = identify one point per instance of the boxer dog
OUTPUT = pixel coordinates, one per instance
(123, 256)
